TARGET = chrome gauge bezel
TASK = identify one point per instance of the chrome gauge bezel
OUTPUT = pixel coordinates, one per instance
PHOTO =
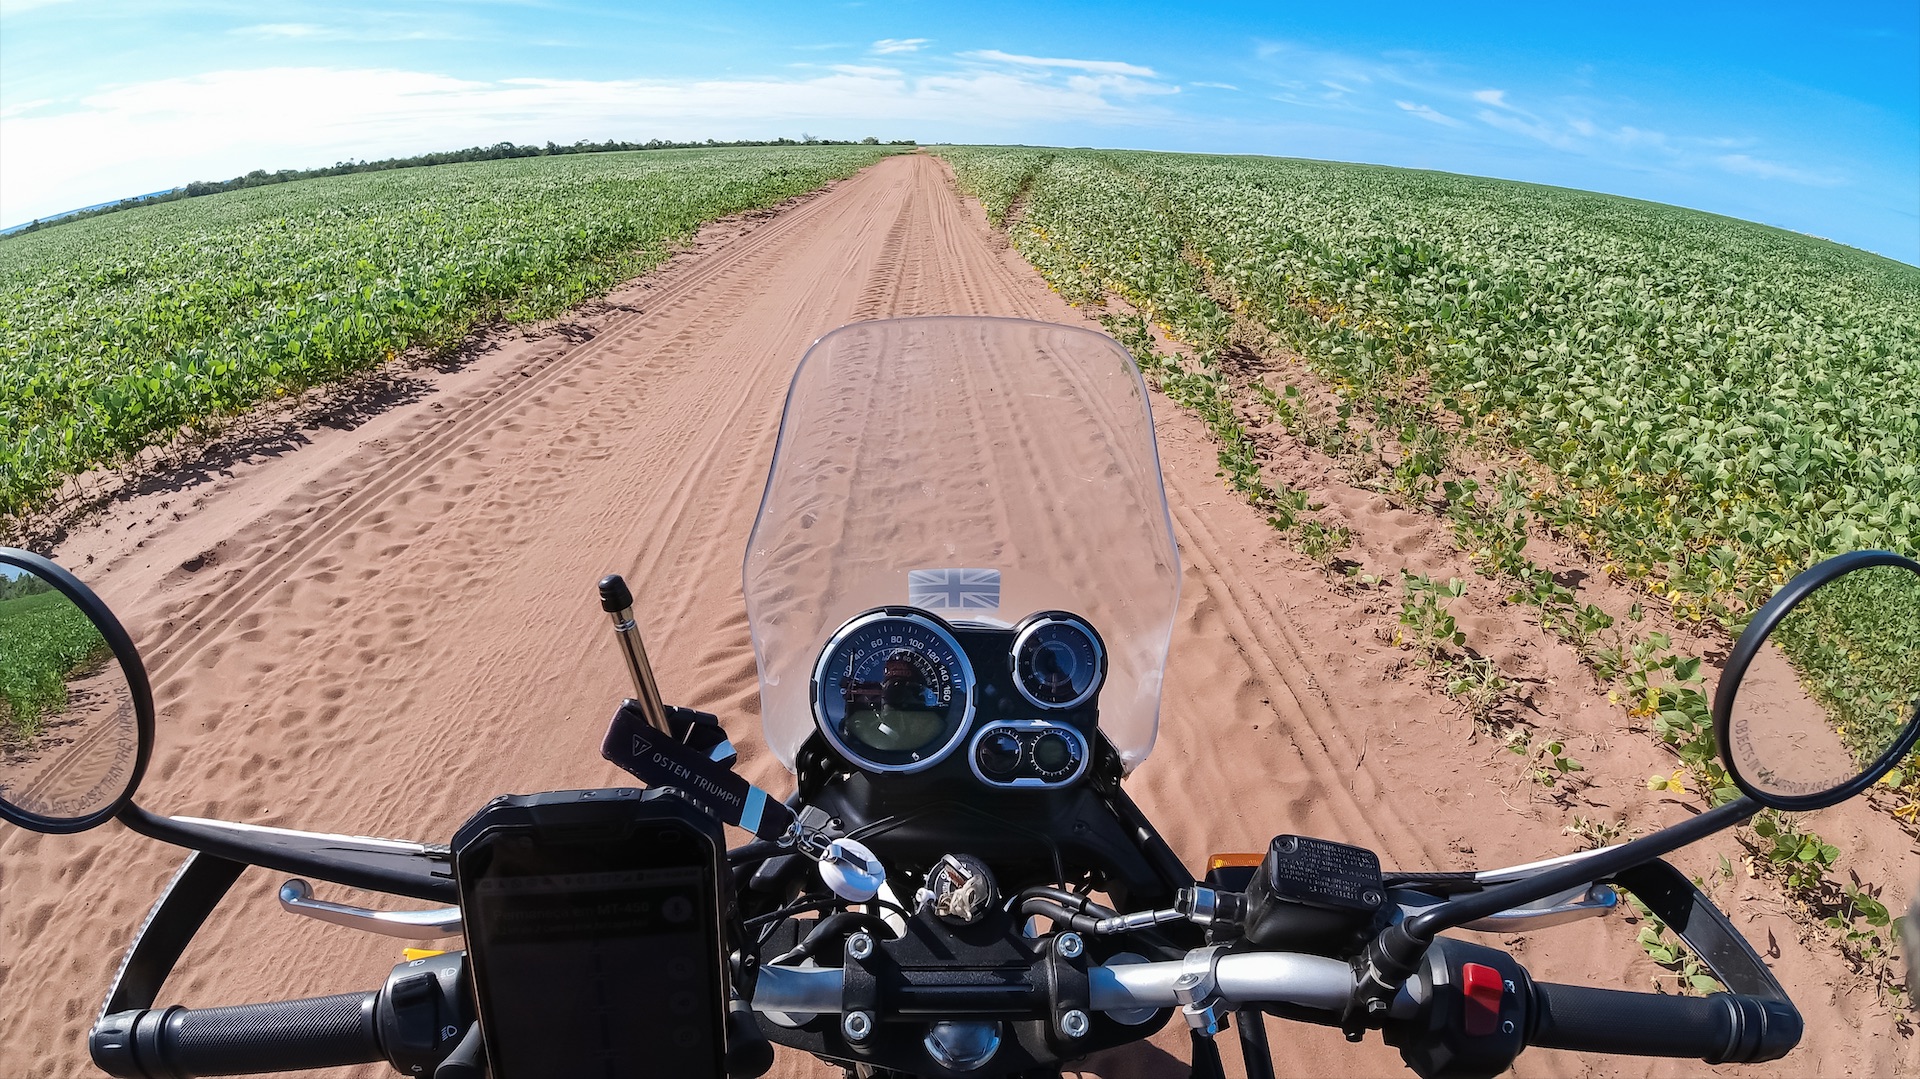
(1029, 732)
(964, 672)
(1036, 622)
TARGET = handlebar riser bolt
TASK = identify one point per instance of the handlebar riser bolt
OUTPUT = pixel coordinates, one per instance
(1069, 945)
(1074, 1023)
(1372, 898)
(860, 945)
(857, 1025)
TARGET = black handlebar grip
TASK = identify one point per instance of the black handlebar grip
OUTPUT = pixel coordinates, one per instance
(614, 594)
(1724, 1028)
(287, 1035)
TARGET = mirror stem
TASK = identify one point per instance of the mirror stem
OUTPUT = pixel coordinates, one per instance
(617, 600)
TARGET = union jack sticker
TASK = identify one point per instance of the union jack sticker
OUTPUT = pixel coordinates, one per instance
(954, 589)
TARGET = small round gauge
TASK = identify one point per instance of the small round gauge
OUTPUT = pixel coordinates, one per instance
(1058, 660)
(998, 754)
(1054, 755)
(893, 692)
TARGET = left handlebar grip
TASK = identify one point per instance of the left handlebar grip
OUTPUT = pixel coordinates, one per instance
(243, 1039)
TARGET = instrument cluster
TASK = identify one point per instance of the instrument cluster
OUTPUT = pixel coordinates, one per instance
(899, 690)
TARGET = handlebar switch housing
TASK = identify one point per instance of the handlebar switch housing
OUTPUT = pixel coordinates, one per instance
(1463, 1014)
(424, 1012)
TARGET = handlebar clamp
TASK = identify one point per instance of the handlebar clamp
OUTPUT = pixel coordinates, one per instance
(1198, 991)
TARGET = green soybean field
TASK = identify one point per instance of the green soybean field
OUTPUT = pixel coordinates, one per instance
(119, 332)
(1717, 403)
(48, 641)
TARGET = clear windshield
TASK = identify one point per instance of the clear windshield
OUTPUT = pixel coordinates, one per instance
(981, 468)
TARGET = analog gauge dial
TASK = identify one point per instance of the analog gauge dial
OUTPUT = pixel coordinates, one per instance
(1055, 756)
(893, 692)
(1058, 660)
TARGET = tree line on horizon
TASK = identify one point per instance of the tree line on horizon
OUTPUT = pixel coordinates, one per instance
(499, 151)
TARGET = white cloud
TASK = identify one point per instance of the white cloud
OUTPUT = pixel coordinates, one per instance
(1532, 129)
(899, 44)
(867, 70)
(1496, 98)
(282, 29)
(1746, 165)
(15, 7)
(155, 135)
(1428, 112)
(1335, 87)
(378, 30)
(1217, 85)
(1098, 67)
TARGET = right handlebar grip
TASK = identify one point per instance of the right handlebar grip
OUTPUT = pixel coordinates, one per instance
(287, 1035)
(1719, 1029)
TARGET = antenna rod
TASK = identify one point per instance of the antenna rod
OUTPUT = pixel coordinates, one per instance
(617, 600)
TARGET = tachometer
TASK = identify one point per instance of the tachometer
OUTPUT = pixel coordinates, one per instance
(893, 692)
(1058, 660)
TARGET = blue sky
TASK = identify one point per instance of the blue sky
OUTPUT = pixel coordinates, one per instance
(1797, 116)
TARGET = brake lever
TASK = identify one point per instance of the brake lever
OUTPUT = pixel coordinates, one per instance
(1572, 905)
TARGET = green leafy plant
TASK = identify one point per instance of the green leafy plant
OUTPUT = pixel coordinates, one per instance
(1426, 625)
(1322, 542)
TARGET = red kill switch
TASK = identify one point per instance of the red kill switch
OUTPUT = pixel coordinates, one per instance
(1481, 988)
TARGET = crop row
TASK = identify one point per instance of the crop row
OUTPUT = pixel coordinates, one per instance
(1717, 403)
(119, 332)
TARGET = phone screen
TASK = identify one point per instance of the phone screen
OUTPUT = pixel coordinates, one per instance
(594, 972)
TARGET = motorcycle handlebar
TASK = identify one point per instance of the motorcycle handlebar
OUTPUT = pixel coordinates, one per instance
(176, 1042)
(244, 1039)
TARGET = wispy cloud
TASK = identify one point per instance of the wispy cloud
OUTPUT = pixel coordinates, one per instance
(867, 70)
(1746, 165)
(306, 31)
(281, 29)
(1428, 112)
(1098, 67)
(1532, 129)
(1496, 98)
(1215, 85)
(15, 7)
(899, 44)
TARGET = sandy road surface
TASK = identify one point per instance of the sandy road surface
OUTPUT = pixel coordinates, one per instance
(381, 629)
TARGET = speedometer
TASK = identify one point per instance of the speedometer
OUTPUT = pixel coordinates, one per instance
(893, 692)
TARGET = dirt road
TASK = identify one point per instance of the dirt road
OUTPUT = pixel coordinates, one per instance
(377, 629)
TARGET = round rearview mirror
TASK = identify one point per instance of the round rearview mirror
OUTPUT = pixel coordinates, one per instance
(76, 713)
(1818, 699)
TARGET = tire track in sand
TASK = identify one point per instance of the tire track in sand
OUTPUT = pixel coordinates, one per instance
(198, 626)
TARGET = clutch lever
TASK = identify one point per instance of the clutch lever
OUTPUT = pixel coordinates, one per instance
(296, 896)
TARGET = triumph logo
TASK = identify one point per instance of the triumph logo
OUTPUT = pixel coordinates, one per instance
(641, 746)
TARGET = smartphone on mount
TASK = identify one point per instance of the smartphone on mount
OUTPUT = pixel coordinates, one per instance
(594, 934)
